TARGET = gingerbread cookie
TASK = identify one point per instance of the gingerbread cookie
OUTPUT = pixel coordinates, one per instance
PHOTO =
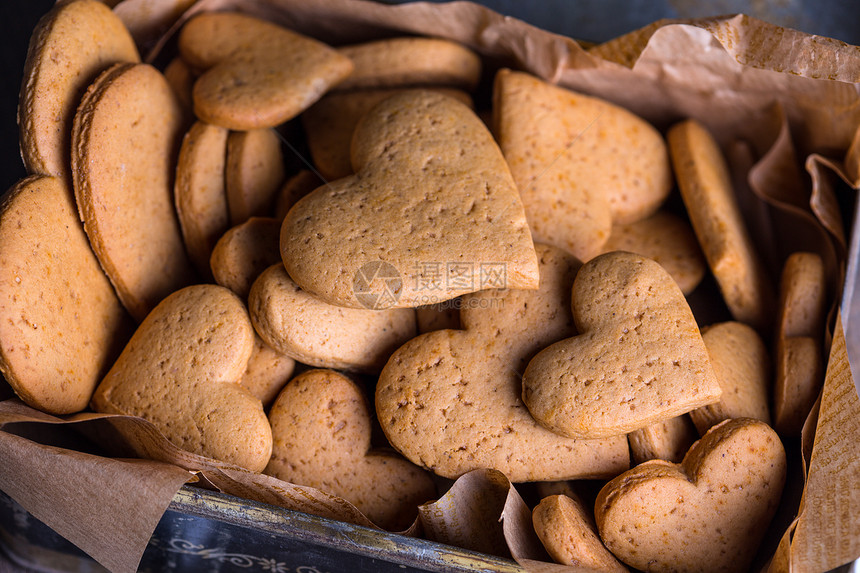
(244, 252)
(800, 361)
(71, 45)
(638, 359)
(706, 189)
(708, 513)
(180, 371)
(199, 193)
(394, 62)
(321, 429)
(668, 440)
(257, 74)
(432, 194)
(450, 401)
(569, 535)
(316, 333)
(254, 173)
(61, 324)
(580, 163)
(125, 140)
(742, 365)
(293, 189)
(267, 372)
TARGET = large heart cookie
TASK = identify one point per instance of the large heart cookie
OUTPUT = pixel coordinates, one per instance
(180, 371)
(321, 429)
(257, 74)
(432, 204)
(639, 358)
(708, 513)
(449, 400)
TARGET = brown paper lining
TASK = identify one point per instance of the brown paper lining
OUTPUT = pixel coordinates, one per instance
(783, 104)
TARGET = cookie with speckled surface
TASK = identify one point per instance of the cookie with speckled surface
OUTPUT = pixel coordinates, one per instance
(61, 324)
(568, 532)
(669, 240)
(580, 163)
(800, 360)
(706, 189)
(316, 333)
(254, 173)
(638, 358)
(742, 365)
(707, 514)
(180, 371)
(256, 74)
(450, 401)
(431, 191)
(125, 141)
(330, 123)
(394, 62)
(668, 440)
(244, 252)
(267, 372)
(200, 195)
(321, 428)
(71, 45)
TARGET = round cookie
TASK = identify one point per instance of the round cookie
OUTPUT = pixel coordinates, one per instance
(126, 137)
(71, 45)
(706, 189)
(61, 324)
(200, 195)
(244, 252)
(321, 429)
(254, 173)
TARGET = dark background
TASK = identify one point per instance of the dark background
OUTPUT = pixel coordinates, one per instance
(593, 20)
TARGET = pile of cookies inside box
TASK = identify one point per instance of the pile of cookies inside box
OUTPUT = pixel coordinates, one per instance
(485, 282)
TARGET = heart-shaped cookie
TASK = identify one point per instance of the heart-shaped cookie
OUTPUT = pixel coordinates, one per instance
(707, 514)
(639, 358)
(449, 400)
(258, 74)
(180, 371)
(321, 429)
(432, 204)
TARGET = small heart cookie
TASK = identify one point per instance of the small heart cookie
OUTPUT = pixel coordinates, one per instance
(569, 534)
(639, 358)
(316, 333)
(71, 45)
(267, 372)
(257, 74)
(432, 203)
(668, 440)
(707, 514)
(244, 252)
(294, 189)
(449, 400)
(321, 428)
(180, 371)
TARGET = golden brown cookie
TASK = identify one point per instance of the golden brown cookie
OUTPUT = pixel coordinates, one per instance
(432, 213)
(668, 440)
(267, 372)
(330, 123)
(125, 140)
(200, 194)
(742, 365)
(257, 74)
(71, 45)
(254, 173)
(394, 62)
(316, 333)
(708, 513)
(61, 324)
(638, 359)
(669, 240)
(449, 400)
(181, 78)
(569, 535)
(293, 189)
(321, 428)
(244, 252)
(580, 163)
(180, 371)
(706, 189)
(800, 361)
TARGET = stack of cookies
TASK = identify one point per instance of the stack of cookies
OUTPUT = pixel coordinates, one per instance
(493, 269)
